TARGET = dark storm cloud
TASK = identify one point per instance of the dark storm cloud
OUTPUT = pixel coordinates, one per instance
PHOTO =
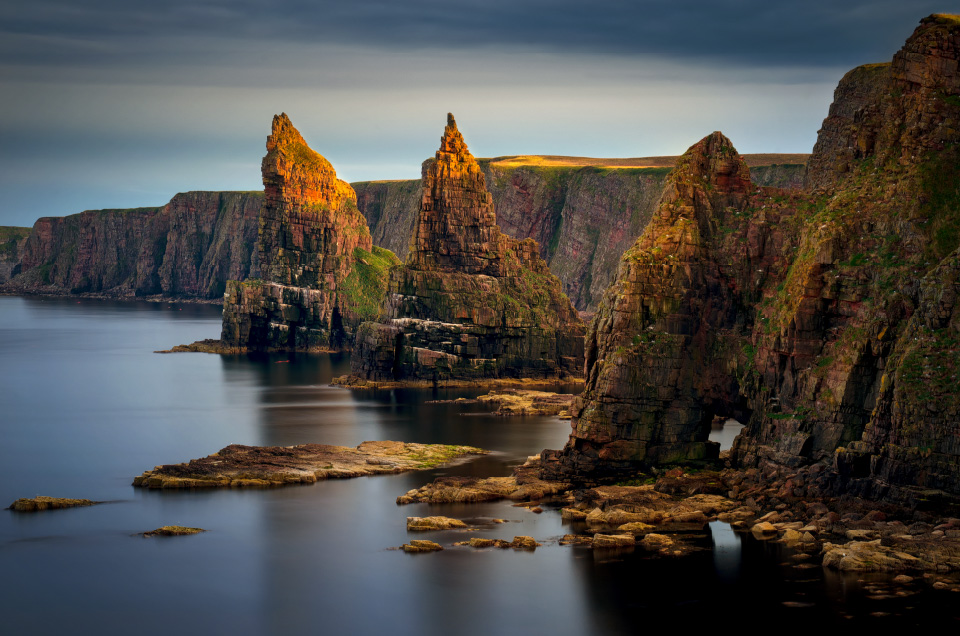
(741, 32)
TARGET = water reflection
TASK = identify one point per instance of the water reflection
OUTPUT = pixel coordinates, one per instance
(726, 551)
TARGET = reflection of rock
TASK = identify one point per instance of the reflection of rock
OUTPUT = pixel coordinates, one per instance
(260, 466)
(48, 503)
(173, 531)
(433, 523)
(469, 303)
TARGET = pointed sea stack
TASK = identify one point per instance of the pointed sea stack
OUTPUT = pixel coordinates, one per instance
(321, 274)
(651, 349)
(471, 304)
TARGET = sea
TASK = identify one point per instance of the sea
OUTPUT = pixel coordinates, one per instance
(86, 405)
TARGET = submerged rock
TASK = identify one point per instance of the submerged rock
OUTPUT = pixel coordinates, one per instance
(264, 466)
(48, 503)
(470, 303)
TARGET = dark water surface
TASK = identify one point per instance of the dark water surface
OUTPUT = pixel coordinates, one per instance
(85, 406)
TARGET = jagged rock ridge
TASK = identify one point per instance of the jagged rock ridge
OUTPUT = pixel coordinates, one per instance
(833, 326)
(470, 302)
(321, 273)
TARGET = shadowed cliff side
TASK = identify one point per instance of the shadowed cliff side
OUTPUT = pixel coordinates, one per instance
(12, 241)
(828, 321)
(321, 274)
(470, 303)
(188, 248)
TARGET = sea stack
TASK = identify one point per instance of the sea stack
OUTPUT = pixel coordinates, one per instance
(321, 274)
(827, 321)
(470, 304)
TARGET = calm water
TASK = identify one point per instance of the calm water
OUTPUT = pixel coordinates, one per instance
(85, 406)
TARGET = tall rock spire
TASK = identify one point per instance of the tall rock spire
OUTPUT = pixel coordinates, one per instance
(322, 275)
(470, 303)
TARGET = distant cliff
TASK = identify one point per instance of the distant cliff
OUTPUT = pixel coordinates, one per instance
(12, 240)
(582, 216)
(187, 248)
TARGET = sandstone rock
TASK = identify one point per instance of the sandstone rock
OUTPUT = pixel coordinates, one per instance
(764, 530)
(188, 248)
(525, 543)
(421, 545)
(635, 528)
(512, 402)
(38, 503)
(656, 542)
(321, 274)
(582, 214)
(420, 524)
(470, 303)
(264, 466)
(572, 514)
(523, 486)
(625, 540)
(867, 556)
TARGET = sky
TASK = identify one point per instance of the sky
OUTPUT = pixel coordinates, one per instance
(124, 103)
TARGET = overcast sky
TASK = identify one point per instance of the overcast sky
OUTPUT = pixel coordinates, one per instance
(123, 103)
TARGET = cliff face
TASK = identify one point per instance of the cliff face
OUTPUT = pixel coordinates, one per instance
(827, 320)
(470, 302)
(582, 217)
(187, 248)
(321, 274)
(12, 240)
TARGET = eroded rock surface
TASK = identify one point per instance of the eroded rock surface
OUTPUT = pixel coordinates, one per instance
(38, 503)
(321, 274)
(470, 303)
(825, 320)
(264, 466)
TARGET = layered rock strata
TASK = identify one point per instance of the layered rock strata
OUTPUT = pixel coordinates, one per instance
(828, 320)
(188, 248)
(583, 217)
(470, 303)
(321, 274)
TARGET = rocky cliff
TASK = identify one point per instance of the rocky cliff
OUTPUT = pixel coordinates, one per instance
(583, 214)
(827, 320)
(188, 248)
(321, 274)
(470, 303)
(12, 240)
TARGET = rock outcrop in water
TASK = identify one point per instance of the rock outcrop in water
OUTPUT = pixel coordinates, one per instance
(584, 214)
(188, 248)
(470, 303)
(829, 320)
(321, 273)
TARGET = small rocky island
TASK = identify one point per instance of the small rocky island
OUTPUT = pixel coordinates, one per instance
(238, 466)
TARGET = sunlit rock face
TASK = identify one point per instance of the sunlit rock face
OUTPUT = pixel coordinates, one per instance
(470, 302)
(321, 273)
(828, 320)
